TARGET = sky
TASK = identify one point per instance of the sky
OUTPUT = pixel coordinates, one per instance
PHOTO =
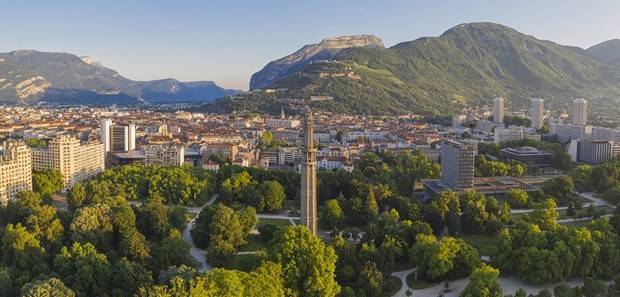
(228, 41)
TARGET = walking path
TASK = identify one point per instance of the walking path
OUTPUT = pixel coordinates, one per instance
(198, 254)
(279, 217)
(402, 275)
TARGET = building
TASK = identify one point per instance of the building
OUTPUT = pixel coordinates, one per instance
(566, 132)
(164, 154)
(591, 151)
(122, 138)
(537, 113)
(283, 123)
(457, 164)
(308, 176)
(15, 170)
(600, 133)
(226, 150)
(458, 121)
(135, 157)
(78, 162)
(104, 133)
(498, 110)
(210, 165)
(528, 155)
(508, 134)
(580, 112)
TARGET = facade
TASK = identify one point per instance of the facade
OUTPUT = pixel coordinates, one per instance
(105, 134)
(164, 154)
(226, 150)
(282, 123)
(537, 113)
(15, 170)
(591, 151)
(308, 176)
(135, 157)
(498, 110)
(117, 138)
(528, 155)
(78, 162)
(580, 112)
(566, 132)
(457, 164)
(458, 120)
(508, 134)
(600, 133)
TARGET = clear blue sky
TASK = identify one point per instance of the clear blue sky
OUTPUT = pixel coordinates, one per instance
(227, 41)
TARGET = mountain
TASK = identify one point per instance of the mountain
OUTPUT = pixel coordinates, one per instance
(30, 76)
(467, 65)
(607, 52)
(324, 50)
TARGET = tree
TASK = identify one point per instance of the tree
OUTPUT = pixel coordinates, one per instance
(93, 224)
(371, 279)
(581, 176)
(46, 227)
(517, 198)
(232, 188)
(563, 290)
(177, 217)
(152, 220)
(128, 277)
(266, 232)
(545, 216)
(83, 269)
(134, 246)
(49, 287)
(172, 251)
(593, 288)
(20, 248)
(561, 187)
(46, 182)
(505, 213)
(331, 215)
(308, 265)
(570, 211)
(269, 196)
(483, 283)
(76, 197)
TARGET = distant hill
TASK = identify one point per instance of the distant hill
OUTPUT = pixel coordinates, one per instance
(607, 52)
(468, 64)
(324, 50)
(30, 76)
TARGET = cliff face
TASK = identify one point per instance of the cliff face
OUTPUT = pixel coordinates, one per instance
(324, 50)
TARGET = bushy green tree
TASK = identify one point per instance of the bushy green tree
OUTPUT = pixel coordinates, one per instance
(46, 182)
(483, 283)
(331, 215)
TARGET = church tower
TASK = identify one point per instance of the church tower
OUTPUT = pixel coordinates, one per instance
(308, 176)
(282, 115)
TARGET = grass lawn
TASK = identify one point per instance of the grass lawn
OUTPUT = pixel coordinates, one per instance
(584, 212)
(245, 262)
(290, 203)
(297, 221)
(253, 244)
(416, 284)
(575, 225)
(277, 222)
(391, 286)
(481, 241)
(400, 265)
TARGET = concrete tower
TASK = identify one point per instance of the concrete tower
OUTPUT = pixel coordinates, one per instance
(498, 110)
(105, 134)
(282, 115)
(537, 113)
(308, 176)
(580, 112)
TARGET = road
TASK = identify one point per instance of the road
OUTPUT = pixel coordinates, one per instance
(198, 254)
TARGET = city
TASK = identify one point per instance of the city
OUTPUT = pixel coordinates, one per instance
(479, 162)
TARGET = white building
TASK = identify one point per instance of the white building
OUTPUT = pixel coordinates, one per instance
(289, 124)
(164, 154)
(591, 151)
(537, 113)
(498, 110)
(104, 133)
(15, 170)
(580, 112)
(508, 134)
(78, 162)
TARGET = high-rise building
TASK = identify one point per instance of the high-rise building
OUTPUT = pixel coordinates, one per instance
(15, 170)
(580, 112)
(498, 110)
(164, 154)
(537, 113)
(457, 164)
(78, 162)
(308, 176)
(105, 134)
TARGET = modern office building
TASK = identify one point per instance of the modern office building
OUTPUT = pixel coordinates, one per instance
(78, 162)
(528, 155)
(164, 154)
(591, 151)
(508, 134)
(117, 138)
(135, 157)
(537, 113)
(457, 164)
(104, 133)
(567, 132)
(308, 176)
(15, 170)
(580, 112)
(601, 133)
(498, 110)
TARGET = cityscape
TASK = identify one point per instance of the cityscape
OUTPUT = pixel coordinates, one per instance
(480, 162)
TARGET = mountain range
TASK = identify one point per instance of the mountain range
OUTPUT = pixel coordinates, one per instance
(30, 76)
(467, 65)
